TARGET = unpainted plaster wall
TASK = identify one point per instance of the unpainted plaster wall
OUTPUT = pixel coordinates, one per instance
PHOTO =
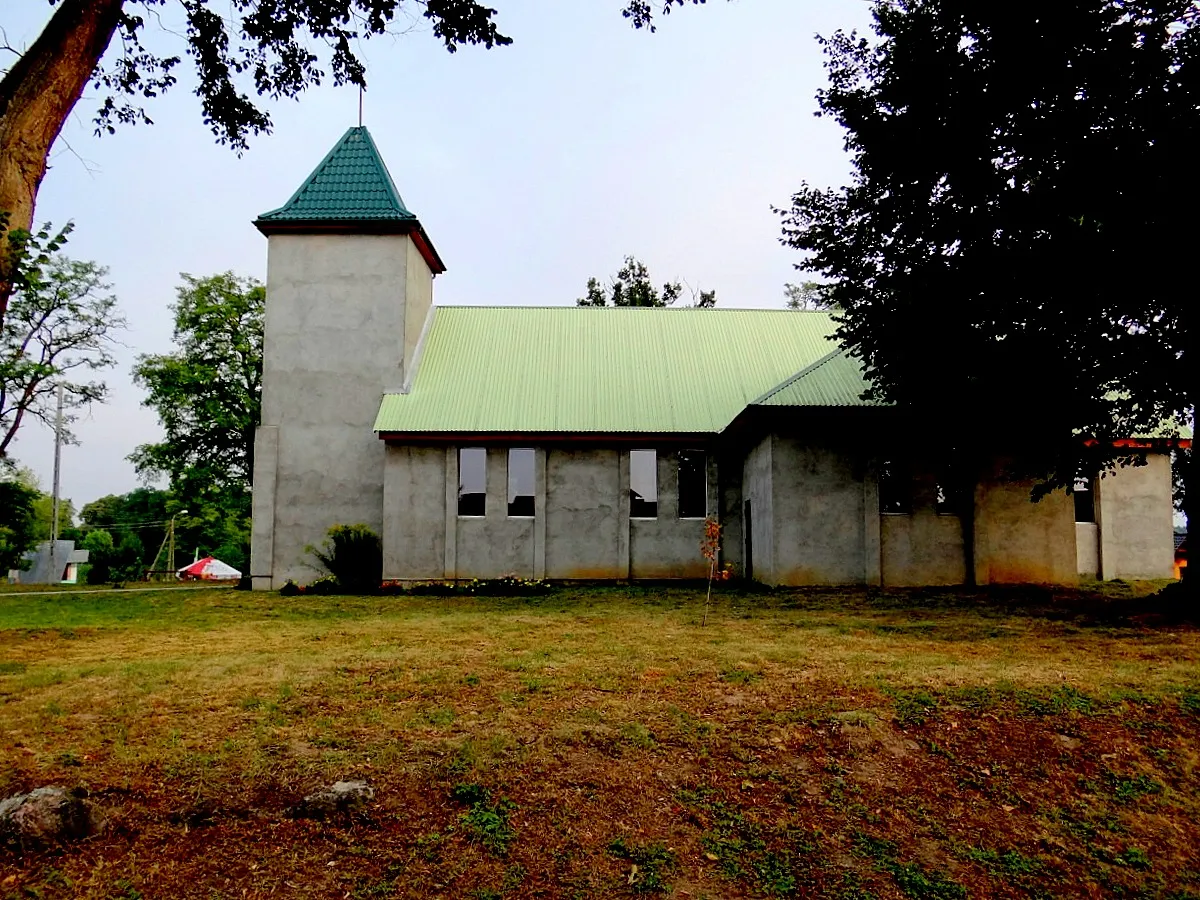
(923, 547)
(1018, 541)
(1135, 519)
(335, 341)
(818, 513)
(581, 521)
(758, 488)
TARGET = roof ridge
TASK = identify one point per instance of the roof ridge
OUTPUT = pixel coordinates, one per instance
(807, 370)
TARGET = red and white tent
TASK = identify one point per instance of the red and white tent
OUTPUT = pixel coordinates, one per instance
(209, 569)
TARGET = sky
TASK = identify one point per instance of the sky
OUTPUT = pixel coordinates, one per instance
(532, 167)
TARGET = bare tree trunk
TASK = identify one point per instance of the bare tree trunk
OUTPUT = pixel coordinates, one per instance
(36, 96)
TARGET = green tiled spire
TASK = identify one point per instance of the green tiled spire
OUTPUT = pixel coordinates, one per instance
(350, 185)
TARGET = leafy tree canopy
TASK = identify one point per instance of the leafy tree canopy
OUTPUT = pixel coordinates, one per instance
(59, 330)
(631, 286)
(807, 296)
(1008, 256)
(18, 523)
(207, 395)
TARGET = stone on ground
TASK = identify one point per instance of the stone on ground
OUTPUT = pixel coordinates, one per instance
(341, 797)
(44, 816)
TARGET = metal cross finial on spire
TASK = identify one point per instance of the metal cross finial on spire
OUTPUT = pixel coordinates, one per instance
(360, 99)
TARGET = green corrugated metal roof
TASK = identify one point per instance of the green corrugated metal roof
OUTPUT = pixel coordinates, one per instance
(589, 370)
(833, 380)
(351, 184)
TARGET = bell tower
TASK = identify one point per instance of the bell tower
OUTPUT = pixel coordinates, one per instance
(349, 284)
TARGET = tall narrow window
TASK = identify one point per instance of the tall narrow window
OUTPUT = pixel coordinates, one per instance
(693, 484)
(1085, 500)
(520, 482)
(952, 496)
(472, 481)
(895, 487)
(643, 484)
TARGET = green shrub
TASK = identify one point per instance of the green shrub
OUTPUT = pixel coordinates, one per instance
(353, 555)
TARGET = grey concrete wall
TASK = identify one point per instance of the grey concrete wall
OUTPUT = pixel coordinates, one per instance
(1087, 549)
(922, 549)
(581, 528)
(335, 340)
(668, 547)
(418, 298)
(414, 513)
(757, 487)
(1018, 541)
(1134, 514)
(495, 545)
(583, 520)
(818, 513)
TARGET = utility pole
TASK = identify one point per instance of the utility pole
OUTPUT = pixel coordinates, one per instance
(171, 551)
(55, 571)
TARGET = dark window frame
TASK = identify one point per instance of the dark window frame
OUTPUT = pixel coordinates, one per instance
(473, 504)
(895, 487)
(522, 506)
(697, 482)
(639, 507)
(1084, 494)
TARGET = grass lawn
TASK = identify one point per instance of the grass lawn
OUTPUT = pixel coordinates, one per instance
(598, 742)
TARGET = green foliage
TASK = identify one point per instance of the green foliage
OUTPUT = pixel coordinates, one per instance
(1134, 858)
(806, 296)
(353, 555)
(207, 395)
(914, 707)
(773, 860)
(631, 286)
(98, 541)
(1009, 238)
(124, 562)
(487, 822)
(1009, 864)
(43, 510)
(57, 330)
(1127, 788)
(651, 865)
(911, 878)
(17, 523)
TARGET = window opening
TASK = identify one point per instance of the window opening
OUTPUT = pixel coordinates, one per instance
(520, 481)
(693, 484)
(472, 481)
(643, 484)
(895, 488)
(951, 497)
(1085, 500)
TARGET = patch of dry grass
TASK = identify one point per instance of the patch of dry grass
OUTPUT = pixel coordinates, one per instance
(822, 743)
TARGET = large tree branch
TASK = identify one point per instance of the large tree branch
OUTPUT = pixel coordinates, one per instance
(36, 96)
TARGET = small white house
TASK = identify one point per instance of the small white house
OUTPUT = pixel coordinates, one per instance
(60, 568)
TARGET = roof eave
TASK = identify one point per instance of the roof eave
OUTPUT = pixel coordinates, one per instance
(411, 227)
(549, 437)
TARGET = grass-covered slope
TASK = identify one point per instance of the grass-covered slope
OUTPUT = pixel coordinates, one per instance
(601, 743)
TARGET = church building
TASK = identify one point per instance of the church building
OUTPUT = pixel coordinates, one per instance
(567, 442)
